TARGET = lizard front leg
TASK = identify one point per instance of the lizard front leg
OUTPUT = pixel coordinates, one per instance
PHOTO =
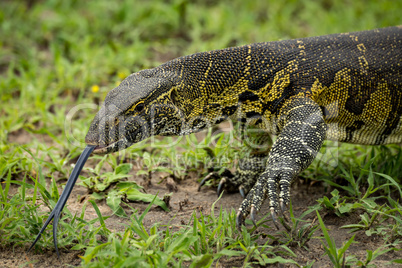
(302, 134)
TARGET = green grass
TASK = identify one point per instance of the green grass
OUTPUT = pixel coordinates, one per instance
(58, 60)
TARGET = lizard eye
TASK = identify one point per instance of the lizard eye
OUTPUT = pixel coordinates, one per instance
(139, 107)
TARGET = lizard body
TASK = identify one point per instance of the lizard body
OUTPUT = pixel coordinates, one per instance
(345, 87)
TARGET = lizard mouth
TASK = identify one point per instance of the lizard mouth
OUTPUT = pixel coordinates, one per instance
(112, 147)
(100, 149)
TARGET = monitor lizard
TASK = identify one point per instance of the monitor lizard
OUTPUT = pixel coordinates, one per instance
(345, 87)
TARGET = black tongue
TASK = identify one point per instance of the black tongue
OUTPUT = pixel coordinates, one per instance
(64, 196)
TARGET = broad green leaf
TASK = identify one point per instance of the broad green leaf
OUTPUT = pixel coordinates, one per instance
(123, 169)
(128, 184)
(113, 200)
(346, 208)
(135, 195)
(110, 179)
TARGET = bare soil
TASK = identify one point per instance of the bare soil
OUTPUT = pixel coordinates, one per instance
(183, 202)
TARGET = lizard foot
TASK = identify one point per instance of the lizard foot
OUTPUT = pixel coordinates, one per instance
(247, 173)
(224, 175)
(277, 188)
(228, 182)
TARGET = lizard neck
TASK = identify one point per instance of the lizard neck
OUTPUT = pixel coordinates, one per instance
(233, 82)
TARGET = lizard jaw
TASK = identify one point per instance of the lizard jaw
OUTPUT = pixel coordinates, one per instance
(112, 147)
(100, 149)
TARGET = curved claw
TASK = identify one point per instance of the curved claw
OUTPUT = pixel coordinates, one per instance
(253, 215)
(202, 183)
(220, 186)
(55, 214)
(207, 178)
(210, 176)
(273, 214)
(239, 220)
(241, 191)
(283, 209)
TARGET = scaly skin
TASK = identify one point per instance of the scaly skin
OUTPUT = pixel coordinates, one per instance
(344, 87)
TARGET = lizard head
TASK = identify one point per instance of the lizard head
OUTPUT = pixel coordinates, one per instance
(140, 107)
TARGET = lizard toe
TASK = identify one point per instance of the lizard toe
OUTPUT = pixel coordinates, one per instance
(239, 220)
(210, 176)
(242, 192)
(253, 215)
(221, 186)
(283, 209)
(274, 220)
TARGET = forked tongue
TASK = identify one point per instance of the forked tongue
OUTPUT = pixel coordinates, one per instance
(64, 196)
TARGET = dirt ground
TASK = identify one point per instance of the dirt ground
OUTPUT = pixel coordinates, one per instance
(184, 201)
(189, 199)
